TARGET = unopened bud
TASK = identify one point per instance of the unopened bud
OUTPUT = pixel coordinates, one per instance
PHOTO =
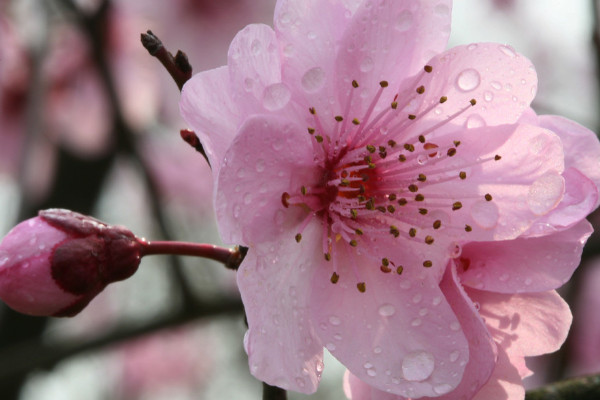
(56, 263)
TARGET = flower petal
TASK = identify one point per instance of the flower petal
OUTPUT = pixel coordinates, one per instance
(505, 383)
(269, 156)
(398, 335)
(502, 82)
(526, 324)
(282, 347)
(216, 125)
(525, 264)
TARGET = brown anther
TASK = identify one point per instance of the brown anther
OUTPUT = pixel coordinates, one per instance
(422, 178)
(391, 197)
(361, 286)
(468, 228)
(409, 147)
(412, 232)
(383, 154)
(428, 68)
(457, 143)
(371, 149)
(353, 213)
(327, 257)
(497, 157)
(385, 262)
(358, 231)
(462, 175)
(421, 89)
(312, 110)
(437, 224)
(423, 211)
(427, 264)
(298, 237)
(354, 84)
(421, 138)
(385, 269)
(401, 158)
(394, 231)
(368, 158)
(370, 205)
(319, 138)
(451, 152)
(355, 121)
(372, 166)
(443, 99)
(391, 143)
(344, 182)
(285, 197)
(335, 278)
(381, 209)
(429, 239)
(394, 105)
(488, 197)
(391, 209)
(402, 201)
(361, 188)
(338, 118)
(383, 84)
(473, 102)
(413, 188)
(353, 243)
(399, 270)
(303, 190)
(456, 206)
(311, 130)
(419, 197)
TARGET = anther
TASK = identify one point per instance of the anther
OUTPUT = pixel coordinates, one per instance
(488, 197)
(401, 158)
(383, 84)
(335, 278)
(399, 270)
(412, 232)
(361, 286)
(354, 84)
(428, 68)
(394, 231)
(338, 118)
(402, 201)
(312, 110)
(353, 213)
(328, 258)
(443, 99)
(421, 89)
(429, 239)
(298, 237)
(468, 228)
(427, 264)
(381, 209)
(355, 121)
(358, 231)
(457, 143)
(353, 243)
(311, 130)
(413, 188)
(285, 197)
(391, 197)
(473, 102)
(423, 211)
(451, 152)
(394, 105)
(497, 157)
(319, 138)
(422, 178)
(371, 149)
(437, 224)
(385, 262)
(462, 175)
(391, 209)
(409, 147)
(412, 116)
(419, 197)
(421, 138)
(385, 269)
(391, 143)
(456, 206)
(303, 190)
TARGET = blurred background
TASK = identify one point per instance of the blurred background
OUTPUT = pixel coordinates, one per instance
(89, 121)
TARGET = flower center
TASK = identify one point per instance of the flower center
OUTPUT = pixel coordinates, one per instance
(377, 177)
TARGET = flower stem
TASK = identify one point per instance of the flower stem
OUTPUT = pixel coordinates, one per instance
(231, 258)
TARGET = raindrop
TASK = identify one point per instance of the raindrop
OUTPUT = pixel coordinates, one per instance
(405, 284)
(260, 165)
(276, 96)
(418, 366)
(32, 241)
(387, 310)
(277, 145)
(442, 388)
(454, 326)
(25, 265)
(416, 322)
(436, 301)
(454, 356)
(496, 85)
(330, 346)
(337, 336)
(545, 193)
(472, 46)
(247, 198)
(371, 372)
(488, 96)
(367, 64)
(468, 80)
(236, 211)
(485, 214)
(404, 21)
(319, 366)
(335, 320)
(313, 79)
(503, 277)
(311, 35)
(423, 312)
(377, 350)
(507, 50)
(422, 159)
(417, 298)
(285, 18)
(528, 281)
(367, 365)
(474, 121)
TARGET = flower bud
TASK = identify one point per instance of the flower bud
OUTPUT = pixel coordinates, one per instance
(56, 263)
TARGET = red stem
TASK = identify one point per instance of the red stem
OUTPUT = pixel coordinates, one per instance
(230, 257)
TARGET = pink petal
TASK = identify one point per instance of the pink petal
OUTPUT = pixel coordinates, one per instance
(209, 110)
(502, 82)
(582, 149)
(390, 41)
(355, 389)
(526, 324)
(525, 264)
(282, 347)
(259, 167)
(398, 335)
(505, 383)
(524, 183)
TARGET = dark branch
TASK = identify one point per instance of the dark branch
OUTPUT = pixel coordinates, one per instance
(178, 67)
(273, 393)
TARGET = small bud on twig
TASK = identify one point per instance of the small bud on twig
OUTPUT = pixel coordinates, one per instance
(179, 66)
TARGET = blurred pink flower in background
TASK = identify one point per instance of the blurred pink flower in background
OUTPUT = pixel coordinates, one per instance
(390, 200)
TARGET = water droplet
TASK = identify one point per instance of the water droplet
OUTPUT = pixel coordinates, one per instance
(279, 217)
(475, 121)
(335, 320)
(404, 21)
(503, 277)
(485, 214)
(545, 193)
(422, 159)
(367, 64)
(472, 46)
(338, 336)
(387, 310)
(507, 50)
(277, 145)
(454, 356)
(285, 18)
(436, 301)
(367, 365)
(442, 388)
(468, 80)
(488, 96)
(496, 85)
(247, 198)
(300, 382)
(25, 265)
(405, 284)
(508, 87)
(313, 79)
(417, 298)
(416, 322)
(377, 350)
(276, 96)
(31, 223)
(418, 366)
(423, 312)
(320, 366)
(330, 346)
(455, 326)
(236, 211)
(371, 372)
(260, 165)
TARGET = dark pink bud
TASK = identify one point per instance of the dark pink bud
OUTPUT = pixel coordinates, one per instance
(56, 263)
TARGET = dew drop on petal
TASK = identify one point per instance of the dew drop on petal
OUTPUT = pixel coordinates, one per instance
(545, 193)
(404, 21)
(475, 121)
(496, 85)
(468, 80)
(454, 356)
(454, 326)
(366, 64)
(387, 310)
(436, 301)
(472, 46)
(276, 96)
(507, 50)
(300, 382)
(236, 211)
(371, 372)
(485, 214)
(334, 320)
(416, 322)
(503, 277)
(442, 388)
(367, 365)
(247, 198)
(418, 366)
(313, 79)
(260, 165)
(488, 96)
(377, 350)
(417, 298)
(330, 346)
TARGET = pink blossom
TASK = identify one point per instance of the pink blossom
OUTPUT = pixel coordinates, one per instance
(373, 175)
(56, 263)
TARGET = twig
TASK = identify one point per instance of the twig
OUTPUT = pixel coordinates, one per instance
(273, 393)
(179, 66)
(583, 388)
